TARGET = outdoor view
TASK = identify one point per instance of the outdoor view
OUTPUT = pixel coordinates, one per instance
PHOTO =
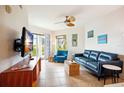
(38, 45)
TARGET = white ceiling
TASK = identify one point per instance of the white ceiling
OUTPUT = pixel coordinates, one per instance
(46, 16)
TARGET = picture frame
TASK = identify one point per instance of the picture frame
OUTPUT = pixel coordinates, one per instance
(61, 42)
(102, 39)
(74, 40)
(90, 34)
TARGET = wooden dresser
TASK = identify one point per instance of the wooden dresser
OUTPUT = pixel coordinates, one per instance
(22, 74)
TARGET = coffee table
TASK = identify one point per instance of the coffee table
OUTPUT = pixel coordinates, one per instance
(115, 72)
(72, 68)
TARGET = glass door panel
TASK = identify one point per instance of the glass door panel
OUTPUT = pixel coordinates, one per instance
(38, 45)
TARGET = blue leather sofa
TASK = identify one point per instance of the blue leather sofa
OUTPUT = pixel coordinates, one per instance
(61, 56)
(93, 60)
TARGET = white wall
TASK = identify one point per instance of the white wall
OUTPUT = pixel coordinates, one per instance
(10, 29)
(1, 16)
(38, 30)
(68, 32)
(111, 24)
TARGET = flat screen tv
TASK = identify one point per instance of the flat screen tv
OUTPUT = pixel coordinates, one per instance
(27, 42)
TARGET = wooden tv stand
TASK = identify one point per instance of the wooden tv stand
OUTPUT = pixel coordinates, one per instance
(21, 75)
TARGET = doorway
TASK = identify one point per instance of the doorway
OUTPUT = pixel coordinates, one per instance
(38, 45)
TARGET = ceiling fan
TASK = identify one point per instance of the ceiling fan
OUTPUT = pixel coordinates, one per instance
(69, 21)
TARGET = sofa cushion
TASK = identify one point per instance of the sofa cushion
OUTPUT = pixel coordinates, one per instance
(77, 58)
(94, 55)
(85, 60)
(60, 56)
(93, 65)
(86, 53)
(62, 53)
(104, 56)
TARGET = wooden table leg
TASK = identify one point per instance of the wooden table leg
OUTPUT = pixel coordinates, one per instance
(112, 76)
(104, 79)
(104, 76)
(117, 76)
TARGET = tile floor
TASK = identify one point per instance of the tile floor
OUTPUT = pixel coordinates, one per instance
(53, 75)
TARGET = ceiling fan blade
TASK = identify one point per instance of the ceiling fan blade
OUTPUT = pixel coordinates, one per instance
(59, 22)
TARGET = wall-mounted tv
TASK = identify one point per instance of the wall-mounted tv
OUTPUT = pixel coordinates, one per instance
(27, 42)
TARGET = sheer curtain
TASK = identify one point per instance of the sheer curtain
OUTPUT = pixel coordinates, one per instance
(47, 46)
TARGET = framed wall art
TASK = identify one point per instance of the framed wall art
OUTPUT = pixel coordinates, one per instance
(90, 34)
(74, 40)
(61, 42)
(102, 39)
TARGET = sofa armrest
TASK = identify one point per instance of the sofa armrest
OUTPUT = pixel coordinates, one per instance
(78, 55)
(54, 56)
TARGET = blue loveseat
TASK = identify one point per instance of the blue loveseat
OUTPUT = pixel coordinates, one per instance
(93, 60)
(61, 56)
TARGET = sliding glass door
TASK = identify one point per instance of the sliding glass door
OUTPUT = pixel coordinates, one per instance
(38, 45)
(41, 45)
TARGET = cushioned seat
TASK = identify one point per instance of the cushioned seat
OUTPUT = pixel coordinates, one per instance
(77, 58)
(85, 60)
(104, 56)
(60, 56)
(93, 65)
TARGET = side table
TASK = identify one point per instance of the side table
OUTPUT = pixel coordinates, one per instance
(72, 68)
(50, 59)
(114, 70)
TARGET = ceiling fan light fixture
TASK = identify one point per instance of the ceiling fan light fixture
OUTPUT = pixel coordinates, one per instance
(70, 24)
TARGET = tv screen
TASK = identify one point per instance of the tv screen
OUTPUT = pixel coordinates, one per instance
(27, 42)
